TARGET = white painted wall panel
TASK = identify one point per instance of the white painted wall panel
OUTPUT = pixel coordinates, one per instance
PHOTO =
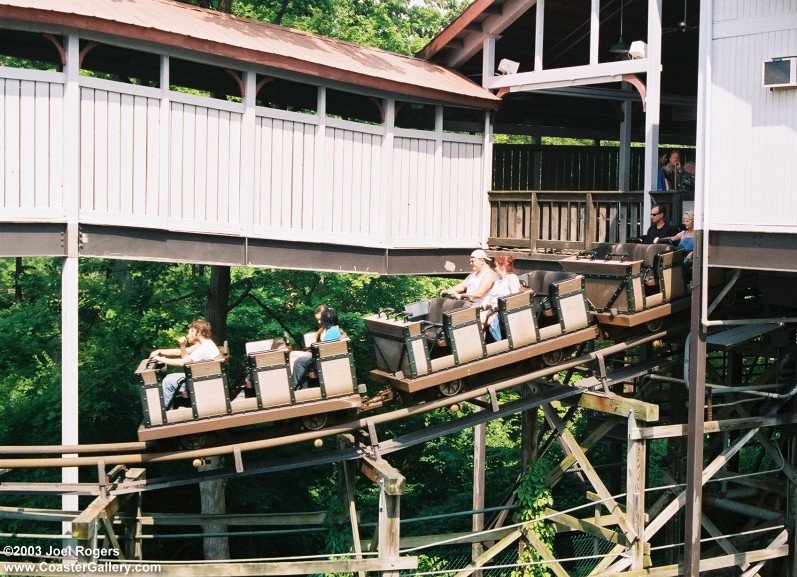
(31, 147)
(205, 166)
(437, 196)
(287, 179)
(413, 188)
(753, 130)
(119, 152)
(284, 179)
(350, 196)
(178, 167)
(729, 10)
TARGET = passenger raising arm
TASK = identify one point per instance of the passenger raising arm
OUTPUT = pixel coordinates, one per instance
(478, 283)
(196, 347)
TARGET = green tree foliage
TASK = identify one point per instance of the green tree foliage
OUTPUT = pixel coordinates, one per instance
(395, 25)
(533, 496)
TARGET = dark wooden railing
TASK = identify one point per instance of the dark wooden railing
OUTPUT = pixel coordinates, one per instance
(553, 220)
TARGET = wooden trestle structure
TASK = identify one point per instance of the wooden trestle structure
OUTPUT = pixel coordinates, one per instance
(631, 398)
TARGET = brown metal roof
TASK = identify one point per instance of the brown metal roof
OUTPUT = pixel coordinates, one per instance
(175, 24)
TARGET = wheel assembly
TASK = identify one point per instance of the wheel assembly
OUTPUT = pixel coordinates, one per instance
(314, 422)
(192, 442)
(553, 357)
(450, 388)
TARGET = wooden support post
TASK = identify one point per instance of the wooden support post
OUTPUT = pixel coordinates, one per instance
(528, 434)
(84, 527)
(479, 455)
(635, 494)
(348, 472)
(103, 509)
(391, 484)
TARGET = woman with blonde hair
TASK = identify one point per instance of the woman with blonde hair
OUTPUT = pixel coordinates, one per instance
(506, 284)
(686, 238)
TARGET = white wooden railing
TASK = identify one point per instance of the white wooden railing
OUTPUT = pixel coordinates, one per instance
(157, 158)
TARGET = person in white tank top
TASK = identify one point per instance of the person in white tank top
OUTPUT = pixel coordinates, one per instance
(478, 283)
(507, 284)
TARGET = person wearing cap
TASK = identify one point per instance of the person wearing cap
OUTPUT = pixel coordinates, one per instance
(478, 283)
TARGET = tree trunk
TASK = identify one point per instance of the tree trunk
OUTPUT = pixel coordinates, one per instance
(18, 281)
(212, 496)
(218, 302)
(212, 493)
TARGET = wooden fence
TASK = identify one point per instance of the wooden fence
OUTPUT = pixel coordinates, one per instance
(544, 167)
(552, 220)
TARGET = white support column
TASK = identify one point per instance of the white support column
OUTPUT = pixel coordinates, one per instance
(653, 104)
(488, 58)
(594, 31)
(487, 151)
(320, 159)
(247, 191)
(539, 35)
(386, 191)
(437, 187)
(69, 272)
(165, 144)
(624, 167)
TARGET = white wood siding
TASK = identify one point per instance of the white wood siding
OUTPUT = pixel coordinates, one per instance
(437, 190)
(31, 146)
(752, 130)
(350, 186)
(204, 167)
(119, 156)
(167, 160)
(746, 9)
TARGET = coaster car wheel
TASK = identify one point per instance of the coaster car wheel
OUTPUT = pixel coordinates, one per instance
(654, 325)
(450, 388)
(554, 357)
(314, 422)
(192, 442)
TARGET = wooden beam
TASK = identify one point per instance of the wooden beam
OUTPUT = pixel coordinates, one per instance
(636, 459)
(489, 554)
(566, 437)
(709, 564)
(669, 431)
(381, 473)
(585, 526)
(545, 554)
(601, 431)
(266, 520)
(766, 484)
(616, 405)
(84, 526)
(465, 538)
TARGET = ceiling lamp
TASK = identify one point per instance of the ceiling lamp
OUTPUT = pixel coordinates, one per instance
(620, 47)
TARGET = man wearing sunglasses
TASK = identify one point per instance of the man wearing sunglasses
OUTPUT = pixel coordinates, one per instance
(659, 227)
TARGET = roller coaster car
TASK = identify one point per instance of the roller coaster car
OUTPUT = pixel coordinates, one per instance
(634, 284)
(403, 351)
(212, 408)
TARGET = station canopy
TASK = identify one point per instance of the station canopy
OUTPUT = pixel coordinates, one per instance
(566, 43)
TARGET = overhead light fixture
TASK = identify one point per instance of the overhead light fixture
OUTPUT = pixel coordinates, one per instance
(507, 66)
(620, 47)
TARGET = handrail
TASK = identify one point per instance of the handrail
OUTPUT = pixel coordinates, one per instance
(543, 220)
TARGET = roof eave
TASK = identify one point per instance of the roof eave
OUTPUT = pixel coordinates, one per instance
(114, 28)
